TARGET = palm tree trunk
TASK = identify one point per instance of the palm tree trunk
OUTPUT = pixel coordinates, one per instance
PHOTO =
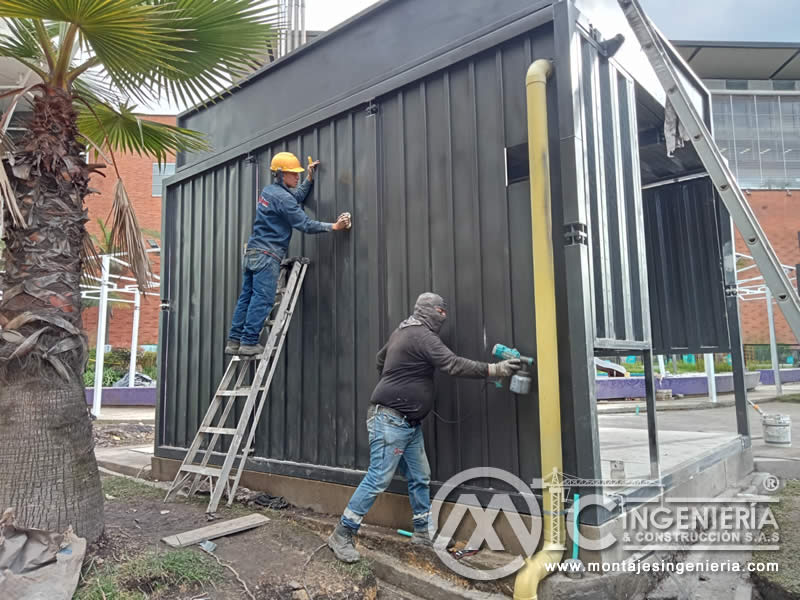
(48, 471)
(47, 465)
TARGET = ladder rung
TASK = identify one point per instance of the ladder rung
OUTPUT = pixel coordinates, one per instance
(219, 430)
(211, 471)
(240, 392)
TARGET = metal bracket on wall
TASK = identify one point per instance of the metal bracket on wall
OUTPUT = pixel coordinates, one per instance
(372, 109)
(251, 158)
(731, 291)
(166, 304)
(576, 233)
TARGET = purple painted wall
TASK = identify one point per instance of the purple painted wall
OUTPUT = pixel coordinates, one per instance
(612, 388)
(787, 376)
(140, 396)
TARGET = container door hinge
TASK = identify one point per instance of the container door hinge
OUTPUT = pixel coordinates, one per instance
(166, 304)
(372, 109)
(731, 291)
(576, 233)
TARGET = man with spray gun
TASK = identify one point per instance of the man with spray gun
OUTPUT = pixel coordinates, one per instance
(401, 400)
(279, 210)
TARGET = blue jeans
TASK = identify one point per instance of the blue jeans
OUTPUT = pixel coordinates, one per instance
(393, 445)
(260, 273)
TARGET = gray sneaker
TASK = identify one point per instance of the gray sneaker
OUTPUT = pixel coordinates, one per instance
(247, 350)
(342, 544)
(232, 347)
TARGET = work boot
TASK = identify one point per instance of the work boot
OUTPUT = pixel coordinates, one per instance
(250, 350)
(421, 537)
(342, 544)
(232, 347)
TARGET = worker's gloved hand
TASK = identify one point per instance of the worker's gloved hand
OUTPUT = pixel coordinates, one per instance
(505, 368)
(343, 222)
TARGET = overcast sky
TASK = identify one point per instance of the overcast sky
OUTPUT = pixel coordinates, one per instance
(704, 20)
(727, 20)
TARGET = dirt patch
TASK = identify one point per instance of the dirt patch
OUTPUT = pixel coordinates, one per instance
(276, 560)
(418, 557)
(785, 584)
(107, 435)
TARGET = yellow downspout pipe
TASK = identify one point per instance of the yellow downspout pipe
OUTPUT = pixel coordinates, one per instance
(534, 571)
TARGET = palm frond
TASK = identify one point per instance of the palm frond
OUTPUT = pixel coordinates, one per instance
(127, 237)
(21, 44)
(218, 42)
(128, 37)
(124, 131)
(21, 41)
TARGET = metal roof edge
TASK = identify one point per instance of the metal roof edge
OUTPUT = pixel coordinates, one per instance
(326, 36)
(539, 14)
(732, 44)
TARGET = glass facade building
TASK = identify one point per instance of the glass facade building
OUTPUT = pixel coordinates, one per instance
(759, 134)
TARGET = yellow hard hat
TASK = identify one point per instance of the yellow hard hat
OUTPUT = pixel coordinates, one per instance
(286, 162)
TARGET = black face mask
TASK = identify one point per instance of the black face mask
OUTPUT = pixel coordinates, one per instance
(426, 313)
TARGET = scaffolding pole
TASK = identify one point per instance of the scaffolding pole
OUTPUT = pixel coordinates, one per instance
(134, 338)
(773, 345)
(100, 346)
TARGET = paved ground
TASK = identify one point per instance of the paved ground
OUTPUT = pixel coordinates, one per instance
(687, 433)
(131, 414)
(762, 394)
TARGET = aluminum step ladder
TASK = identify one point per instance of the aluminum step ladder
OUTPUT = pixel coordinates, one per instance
(248, 378)
(712, 159)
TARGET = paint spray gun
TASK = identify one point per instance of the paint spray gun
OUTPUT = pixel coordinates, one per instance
(521, 380)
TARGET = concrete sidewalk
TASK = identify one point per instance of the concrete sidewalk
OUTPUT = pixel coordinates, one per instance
(686, 431)
(127, 414)
(128, 460)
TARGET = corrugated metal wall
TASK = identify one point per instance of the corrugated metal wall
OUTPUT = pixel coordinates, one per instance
(684, 255)
(422, 171)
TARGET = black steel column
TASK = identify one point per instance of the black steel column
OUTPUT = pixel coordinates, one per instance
(652, 426)
(581, 441)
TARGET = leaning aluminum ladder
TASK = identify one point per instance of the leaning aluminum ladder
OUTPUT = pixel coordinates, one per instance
(715, 165)
(254, 391)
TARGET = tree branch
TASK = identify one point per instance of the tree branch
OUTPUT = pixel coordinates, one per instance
(46, 43)
(64, 57)
(78, 71)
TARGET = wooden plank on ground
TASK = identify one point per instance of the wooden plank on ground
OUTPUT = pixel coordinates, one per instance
(195, 536)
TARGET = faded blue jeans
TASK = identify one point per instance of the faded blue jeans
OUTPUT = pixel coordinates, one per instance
(260, 271)
(393, 445)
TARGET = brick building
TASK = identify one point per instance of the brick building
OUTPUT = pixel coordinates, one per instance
(756, 112)
(142, 178)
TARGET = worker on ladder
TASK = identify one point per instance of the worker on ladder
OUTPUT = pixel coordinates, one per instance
(278, 211)
(401, 400)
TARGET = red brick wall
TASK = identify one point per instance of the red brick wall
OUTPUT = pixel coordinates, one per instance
(137, 175)
(779, 215)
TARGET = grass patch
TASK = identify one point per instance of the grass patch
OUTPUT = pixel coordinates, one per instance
(122, 488)
(357, 571)
(788, 557)
(150, 575)
(795, 398)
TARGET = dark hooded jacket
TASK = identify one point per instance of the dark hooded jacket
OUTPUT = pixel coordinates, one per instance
(408, 360)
